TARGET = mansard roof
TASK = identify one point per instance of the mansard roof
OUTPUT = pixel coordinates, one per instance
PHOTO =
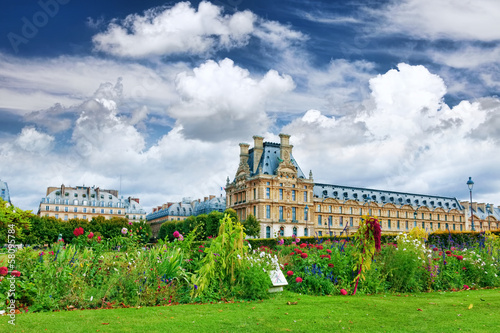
(489, 211)
(383, 197)
(270, 160)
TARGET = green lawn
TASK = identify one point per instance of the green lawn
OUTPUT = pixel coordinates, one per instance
(423, 312)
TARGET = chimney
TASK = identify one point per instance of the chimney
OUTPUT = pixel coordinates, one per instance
(210, 197)
(285, 147)
(258, 149)
(205, 198)
(244, 153)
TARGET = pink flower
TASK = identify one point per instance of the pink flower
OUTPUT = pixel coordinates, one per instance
(16, 273)
(289, 273)
(181, 238)
(297, 240)
(343, 291)
(329, 251)
(90, 235)
(298, 280)
(460, 257)
(130, 223)
(466, 287)
(4, 270)
(303, 245)
(176, 234)
(99, 239)
(78, 231)
(124, 231)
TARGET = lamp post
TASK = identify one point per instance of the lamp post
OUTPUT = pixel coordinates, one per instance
(306, 210)
(470, 184)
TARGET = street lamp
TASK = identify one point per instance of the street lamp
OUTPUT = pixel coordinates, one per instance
(306, 210)
(470, 184)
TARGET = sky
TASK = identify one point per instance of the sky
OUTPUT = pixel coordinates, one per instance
(152, 98)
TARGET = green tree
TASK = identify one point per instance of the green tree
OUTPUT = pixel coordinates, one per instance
(13, 218)
(232, 214)
(43, 230)
(212, 223)
(252, 226)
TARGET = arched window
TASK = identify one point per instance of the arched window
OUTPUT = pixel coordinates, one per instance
(75, 202)
(305, 232)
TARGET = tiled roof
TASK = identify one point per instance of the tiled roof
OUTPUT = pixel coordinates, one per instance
(269, 160)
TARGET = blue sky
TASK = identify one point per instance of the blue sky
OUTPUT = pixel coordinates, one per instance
(393, 95)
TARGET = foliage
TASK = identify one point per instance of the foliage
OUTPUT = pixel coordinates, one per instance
(252, 226)
(15, 217)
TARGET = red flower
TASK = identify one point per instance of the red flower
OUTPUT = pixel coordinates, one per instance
(16, 273)
(303, 245)
(298, 251)
(460, 257)
(78, 231)
(90, 235)
(285, 264)
(303, 255)
(448, 252)
(99, 239)
(200, 250)
(343, 291)
(463, 268)
(298, 280)
(320, 247)
(329, 251)
(331, 265)
(435, 249)
(176, 234)
(289, 273)
(4, 270)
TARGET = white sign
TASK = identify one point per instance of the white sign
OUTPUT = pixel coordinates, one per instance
(278, 278)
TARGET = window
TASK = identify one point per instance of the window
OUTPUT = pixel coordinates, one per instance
(102, 211)
(460, 227)
(282, 231)
(319, 219)
(305, 214)
(361, 211)
(431, 225)
(389, 224)
(305, 196)
(305, 232)
(47, 208)
(281, 212)
(446, 225)
(351, 222)
(57, 208)
(255, 193)
(341, 221)
(439, 226)
(398, 225)
(446, 217)
(294, 213)
(423, 225)
(329, 209)
(255, 211)
(318, 208)
(65, 217)
(93, 210)
(268, 193)
(414, 224)
(330, 221)
(294, 195)
(84, 217)
(406, 225)
(268, 211)
(57, 216)
(119, 212)
(84, 210)
(295, 231)
(422, 216)
(340, 210)
(281, 194)
(320, 233)
(438, 217)
(388, 213)
(370, 211)
(350, 210)
(75, 209)
(111, 211)
(66, 209)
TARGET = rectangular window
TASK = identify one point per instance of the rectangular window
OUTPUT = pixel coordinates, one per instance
(102, 211)
(398, 225)
(84, 217)
(350, 210)
(361, 211)
(388, 213)
(57, 216)
(431, 225)
(305, 196)
(439, 226)
(65, 217)
(281, 212)
(93, 210)
(414, 224)
(320, 233)
(319, 219)
(305, 214)
(370, 211)
(397, 213)
(255, 211)
(75, 209)
(268, 211)
(422, 216)
(293, 195)
(66, 209)
(330, 221)
(255, 193)
(268, 193)
(446, 226)
(351, 222)
(438, 216)
(46, 207)
(294, 213)
(341, 221)
(423, 225)
(406, 225)
(460, 227)
(446, 217)
(389, 224)
(281, 194)
(57, 208)
(460, 221)
(453, 226)
(340, 210)
(111, 211)
(319, 208)
(406, 214)
(84, 210)
(329, 209)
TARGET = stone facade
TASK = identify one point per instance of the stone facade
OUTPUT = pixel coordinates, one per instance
(270, 185)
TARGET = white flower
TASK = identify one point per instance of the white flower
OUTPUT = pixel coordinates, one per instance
(250, 246)
(239, 257)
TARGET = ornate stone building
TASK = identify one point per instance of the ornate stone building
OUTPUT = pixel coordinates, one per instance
(270, 185)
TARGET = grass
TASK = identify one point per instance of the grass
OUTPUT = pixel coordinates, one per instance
(422, 312)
